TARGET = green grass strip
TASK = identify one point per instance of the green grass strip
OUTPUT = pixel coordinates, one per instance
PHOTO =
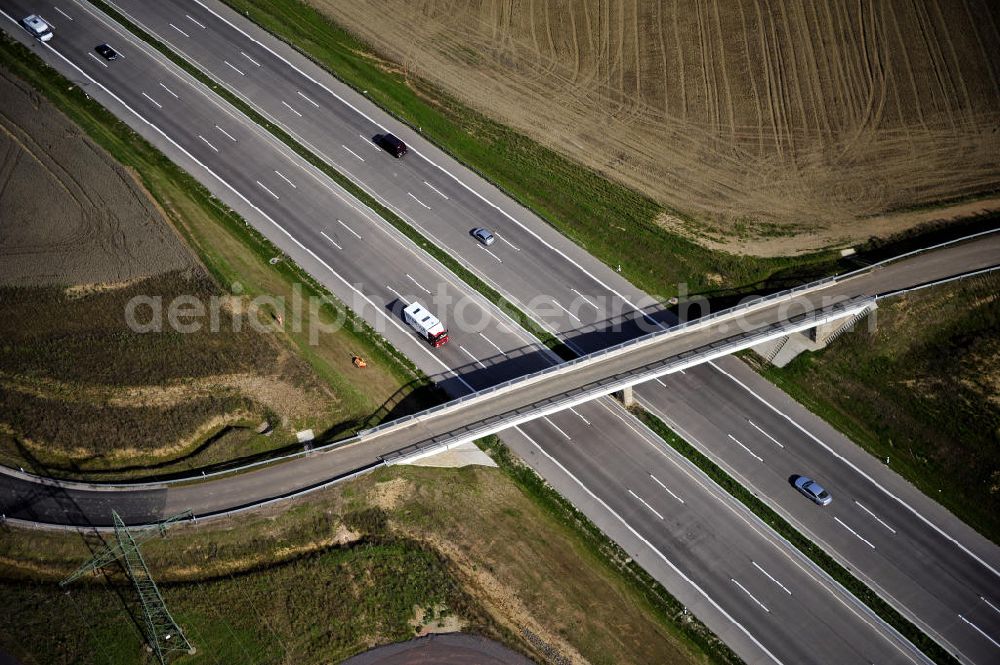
(658, 600)
(815, 553)
(834, 569)
(130, 149)
(415, 236)
(612, 222)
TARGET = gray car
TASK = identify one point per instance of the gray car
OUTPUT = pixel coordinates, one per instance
(813, 490)
(484, 236)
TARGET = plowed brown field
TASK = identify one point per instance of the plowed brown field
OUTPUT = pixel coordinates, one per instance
(761, 118)
(69, 214)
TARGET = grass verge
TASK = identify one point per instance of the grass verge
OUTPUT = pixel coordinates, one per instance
(919, 390)
(399, 552)
(233, 252)
(654, 596)
(353, 189)
(832, 568)
(612, 222)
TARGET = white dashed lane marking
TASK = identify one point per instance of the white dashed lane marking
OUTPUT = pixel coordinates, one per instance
(643, 501)
(234, 68)
(307, 99)
(418, 200)
(752, 597)
(557, 428)
(208, 143)
(770, 577)
(332, 241)
(169, 91)
(249, 58)
(752, 453)
(666, 489)
(856, 534)
(438, 191)
(280, 175)
(230, 136)
(356, 234)
(264, 187)
(875, 517)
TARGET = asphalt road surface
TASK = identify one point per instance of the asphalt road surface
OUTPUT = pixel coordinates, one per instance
(473, 201)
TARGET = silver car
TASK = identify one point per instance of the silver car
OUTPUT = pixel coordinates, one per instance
(37, 26)
(813, 490)
(484, 236)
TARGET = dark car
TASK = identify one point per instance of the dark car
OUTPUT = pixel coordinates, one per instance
(813, 490)
(391, 145)
(106, 52)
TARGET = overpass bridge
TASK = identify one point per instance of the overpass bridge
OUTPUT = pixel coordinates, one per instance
(30, 498)
(610, 370)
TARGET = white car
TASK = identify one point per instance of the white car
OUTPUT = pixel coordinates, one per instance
(37, 26)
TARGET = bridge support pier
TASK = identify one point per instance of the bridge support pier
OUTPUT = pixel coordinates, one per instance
(626, 396)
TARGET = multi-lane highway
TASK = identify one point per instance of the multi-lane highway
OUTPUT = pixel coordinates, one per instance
(581, 296)
(357, 254)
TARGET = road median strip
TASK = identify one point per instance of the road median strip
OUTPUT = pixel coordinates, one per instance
(806, 546)
(441, 256)
(814, 552)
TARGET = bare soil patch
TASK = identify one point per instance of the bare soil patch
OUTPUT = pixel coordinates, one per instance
(781, 127)
(82, 392)
(70, 214)
(305, 582)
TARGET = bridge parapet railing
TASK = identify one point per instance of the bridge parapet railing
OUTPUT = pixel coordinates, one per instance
(645, 339)
(591, 357)
(618, 381)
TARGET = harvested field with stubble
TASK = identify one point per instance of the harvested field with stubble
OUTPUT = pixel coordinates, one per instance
(69, 213)
(83, 394)
(774, 127)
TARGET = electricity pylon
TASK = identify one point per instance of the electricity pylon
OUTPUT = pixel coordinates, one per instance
(163, 634)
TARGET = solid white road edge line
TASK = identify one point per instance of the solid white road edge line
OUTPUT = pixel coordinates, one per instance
(864, 475)
(545, 243)
(247, 201)
(658, 553)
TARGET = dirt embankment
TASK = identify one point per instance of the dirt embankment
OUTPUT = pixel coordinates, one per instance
(781, 126)
(69, 214)
(80, 391)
